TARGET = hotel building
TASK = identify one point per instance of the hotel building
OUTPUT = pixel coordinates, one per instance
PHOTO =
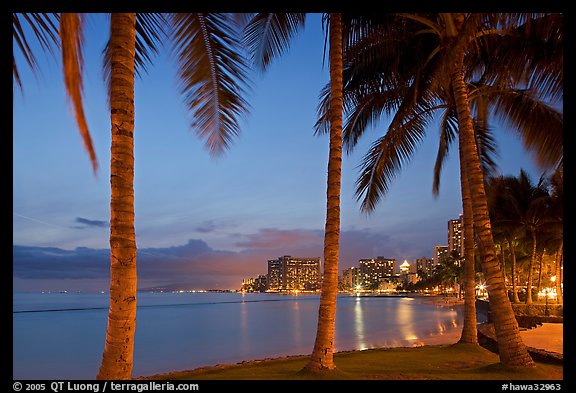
(289, 274)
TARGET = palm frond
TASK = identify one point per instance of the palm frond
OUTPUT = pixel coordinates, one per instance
(268, 35)
(448, 133)
(212, 75)
(322, 125)
(71, 35)
(485, 140)
(46, 32)
(530, 55)
(384, 160)
(539, 126)
(368, 109)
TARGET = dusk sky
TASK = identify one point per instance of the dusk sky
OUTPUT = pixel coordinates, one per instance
(205, 222)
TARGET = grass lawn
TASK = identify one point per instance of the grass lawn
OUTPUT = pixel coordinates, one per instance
(440, 362)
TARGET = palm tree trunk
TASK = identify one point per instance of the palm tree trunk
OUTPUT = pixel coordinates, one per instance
(322, 357)
(530, 269)
(511, 348)
(540, 263)
(503, 263)
(558, 273)
(469, 331)
(514, 273)
(117, 359)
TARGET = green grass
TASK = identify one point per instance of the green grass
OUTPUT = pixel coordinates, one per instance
(444, 362)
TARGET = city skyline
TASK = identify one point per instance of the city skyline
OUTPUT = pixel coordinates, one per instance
(209, 222)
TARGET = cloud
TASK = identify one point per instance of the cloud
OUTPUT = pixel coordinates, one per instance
(279, 239)
(90, 223)
(206, 227)
(196, 265)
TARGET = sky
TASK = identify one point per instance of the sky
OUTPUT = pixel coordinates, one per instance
(204, 222)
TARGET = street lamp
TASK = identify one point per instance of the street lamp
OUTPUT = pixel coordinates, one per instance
(547, 294)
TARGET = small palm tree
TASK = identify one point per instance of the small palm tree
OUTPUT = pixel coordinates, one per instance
(528, 211)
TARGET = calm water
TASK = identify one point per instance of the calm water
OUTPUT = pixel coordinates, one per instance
(61, 335)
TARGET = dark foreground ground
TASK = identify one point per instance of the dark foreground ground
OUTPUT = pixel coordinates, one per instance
(429, 362)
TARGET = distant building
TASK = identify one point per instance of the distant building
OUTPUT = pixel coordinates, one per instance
(439, 253)
(289, 274)
(408, 274)
(374, 270)
(351, 278)
(258, 284)
(424, 266)
(456, 236)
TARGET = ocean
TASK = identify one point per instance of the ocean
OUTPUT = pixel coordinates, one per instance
(60, 336)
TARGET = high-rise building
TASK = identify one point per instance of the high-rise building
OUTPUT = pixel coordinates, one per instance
(373, 270)
(439, 253)
(424, 265)
(288, 274)
(456, 236)
(351, 278)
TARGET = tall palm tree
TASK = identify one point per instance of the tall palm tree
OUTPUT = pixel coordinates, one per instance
(212, 73)
(322, 357)
(512, 350)
(267, 36)
(439, 66)
(374, 87)
(117, 359)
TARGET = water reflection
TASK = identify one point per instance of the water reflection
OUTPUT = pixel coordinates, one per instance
(359, 324)
(185, 331)
(244, 328)
(297, 323)
(406, 319)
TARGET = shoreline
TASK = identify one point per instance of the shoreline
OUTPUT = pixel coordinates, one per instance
(438, 340)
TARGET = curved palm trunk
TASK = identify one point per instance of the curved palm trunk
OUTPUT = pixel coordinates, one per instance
(530, 269)
(469, 331)
(511, 348)
(514, 287)
(119, 348)
(322, 357)
(558, 273)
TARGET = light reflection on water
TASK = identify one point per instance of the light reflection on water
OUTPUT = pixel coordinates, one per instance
(177, 331)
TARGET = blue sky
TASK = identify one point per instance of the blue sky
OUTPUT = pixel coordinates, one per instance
(201, 221)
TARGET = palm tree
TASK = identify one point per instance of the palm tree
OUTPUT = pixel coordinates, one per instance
(375, 87)
(528, 205)
(322, 357)
(440, 58)
(556, 219)
(212, 74)
(268, 35)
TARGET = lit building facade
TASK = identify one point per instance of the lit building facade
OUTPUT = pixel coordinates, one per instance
(456, 236)
(439, 253)
(289, 274)
(424, 266)
(258, 284)
(408, 273)
(372, 271)
(351, 278)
